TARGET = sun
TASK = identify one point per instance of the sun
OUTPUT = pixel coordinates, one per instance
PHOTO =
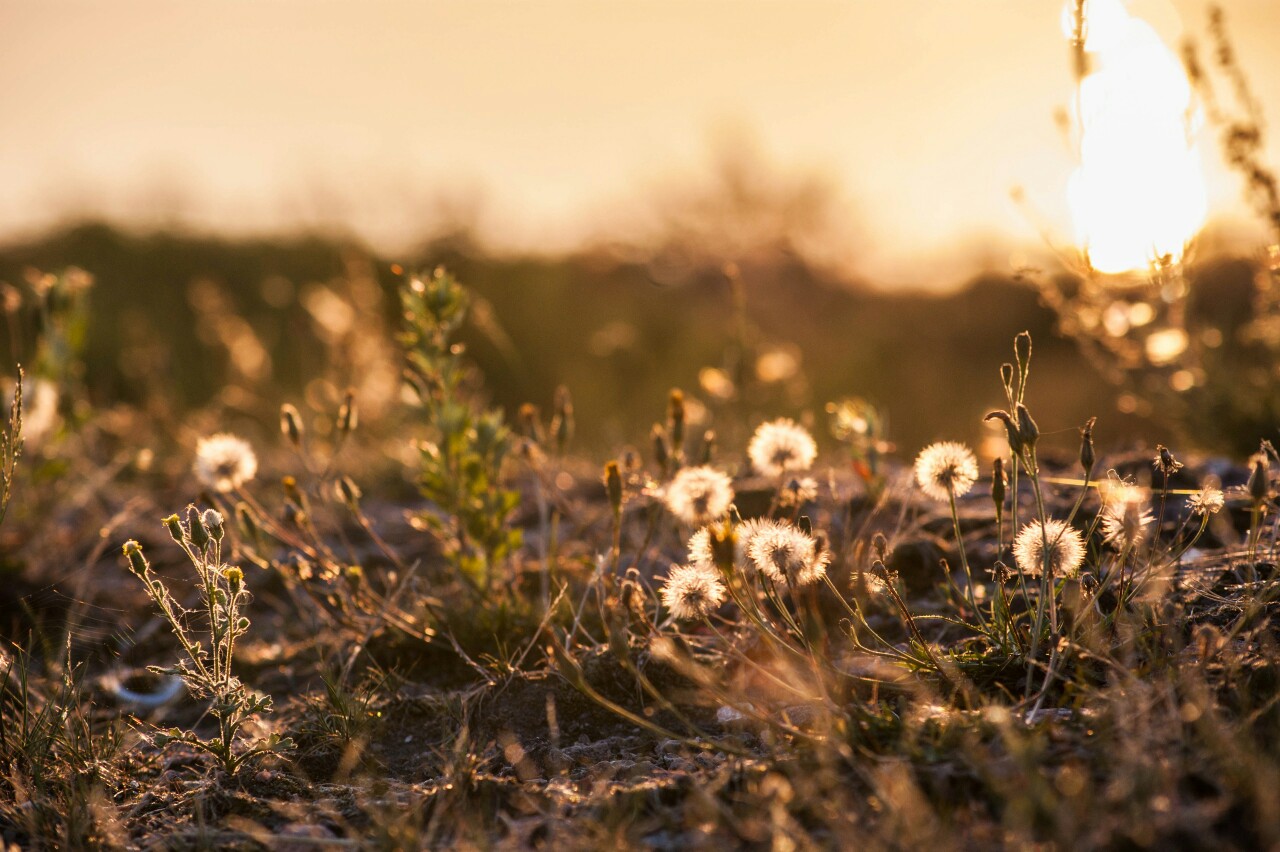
(1138, 194)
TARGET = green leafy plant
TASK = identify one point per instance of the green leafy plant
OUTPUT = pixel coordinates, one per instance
(207, 672)
(461, 466)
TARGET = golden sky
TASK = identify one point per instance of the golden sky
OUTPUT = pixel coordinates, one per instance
(547, 121)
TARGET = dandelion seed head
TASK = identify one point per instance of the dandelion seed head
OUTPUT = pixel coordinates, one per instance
(692, 592)
(698, 495)
(700, 547)
(1125, 516)
(780, 446)
(224, 462)
(946, 468)
(786, 555)
(1207, 501)
(1066, 549)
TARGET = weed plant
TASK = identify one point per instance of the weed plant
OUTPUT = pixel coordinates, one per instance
(207, 670)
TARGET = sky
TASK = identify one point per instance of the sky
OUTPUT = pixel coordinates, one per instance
(548, 122)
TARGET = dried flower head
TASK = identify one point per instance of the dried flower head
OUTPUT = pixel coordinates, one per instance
(1165, 462)
(698, 495)
(879, 579)
(786, 555)
(945, 469)
(1125, 516)
(1207, 501)
(224, 462)
(692, 592)
(1066, 549)
(780, 446)
(798, 491)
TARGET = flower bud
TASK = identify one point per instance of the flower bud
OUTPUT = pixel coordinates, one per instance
(562, 420)
(661, 453)
(247, 521)
(613, 487)
(531, 423)
(137, 562)
(291, 490)
(235, 579)
(1259, 479)
(1011, 430)
(1027, 429)
(348, 417)
(198, 534)
(708, 446)
(175, 528)
(1087, 457)
(999, 485)
(880, 547)
(291, 424)
(348, 492)
(675, 420)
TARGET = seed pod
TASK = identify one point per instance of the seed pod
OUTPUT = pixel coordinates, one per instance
(291, 425)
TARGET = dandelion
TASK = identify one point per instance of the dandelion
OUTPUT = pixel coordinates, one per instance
(780, 446)
(797, 492)
(946, 469)
(699, 494)
(1126, 516)
(786, 555)
(692, 592)
(1206, 501)
(1066, 549)
(224, 462)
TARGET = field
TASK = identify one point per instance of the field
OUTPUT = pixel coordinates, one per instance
(688, 537)
(314, 577)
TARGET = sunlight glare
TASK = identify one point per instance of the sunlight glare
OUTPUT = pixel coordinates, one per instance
(1139, 191)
